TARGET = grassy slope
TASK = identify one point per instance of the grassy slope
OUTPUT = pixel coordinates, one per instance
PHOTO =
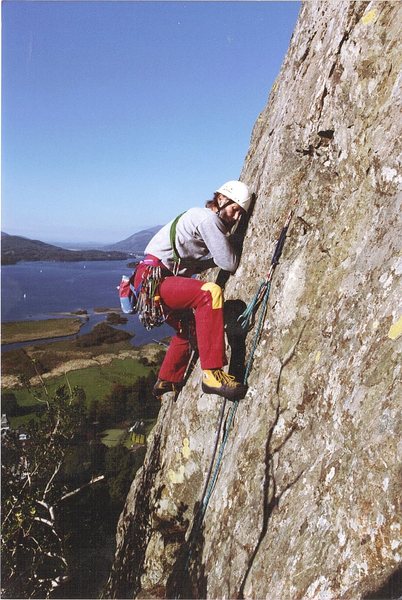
(96, 381)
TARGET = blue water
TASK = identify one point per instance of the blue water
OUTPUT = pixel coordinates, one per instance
(43, 290)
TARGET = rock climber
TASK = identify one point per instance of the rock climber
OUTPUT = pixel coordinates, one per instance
(197, 240)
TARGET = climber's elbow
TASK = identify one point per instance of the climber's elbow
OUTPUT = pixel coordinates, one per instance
(230, 264)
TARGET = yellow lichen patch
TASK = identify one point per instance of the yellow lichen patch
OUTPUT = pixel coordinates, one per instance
(216, 293)
(186, 448)
(369, 17)
(176, 476)
(318, 356)
(395, 330)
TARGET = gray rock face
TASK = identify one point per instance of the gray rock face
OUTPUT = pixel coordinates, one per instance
(306, 502)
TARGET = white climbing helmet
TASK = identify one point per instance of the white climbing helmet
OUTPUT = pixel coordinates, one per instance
(236, 191)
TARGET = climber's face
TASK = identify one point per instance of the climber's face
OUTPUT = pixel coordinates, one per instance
(230, 213)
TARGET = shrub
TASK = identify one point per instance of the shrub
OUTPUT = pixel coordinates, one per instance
(102, 333)
(116, 319)
(18, 362)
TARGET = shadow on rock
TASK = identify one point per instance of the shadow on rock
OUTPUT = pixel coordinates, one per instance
(271, 494)
(236, 337)
(390, 590)
(188, 579)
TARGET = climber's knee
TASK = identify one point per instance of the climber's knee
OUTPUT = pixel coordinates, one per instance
(216, 294)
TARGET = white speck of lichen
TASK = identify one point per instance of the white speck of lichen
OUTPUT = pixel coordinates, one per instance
(380, 520)
(330, 475)
(322, 523)
(386, 280)
(280, 426)
(397, 267)
(354, 525)
(341, 538)
(389, 174)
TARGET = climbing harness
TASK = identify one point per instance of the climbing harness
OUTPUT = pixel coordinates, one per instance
(149, 304)
(145, 299)
(247, 320)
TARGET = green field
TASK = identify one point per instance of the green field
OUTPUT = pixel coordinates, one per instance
(114, 437)
(96, 381)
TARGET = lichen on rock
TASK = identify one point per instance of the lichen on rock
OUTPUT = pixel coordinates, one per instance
(306, 504)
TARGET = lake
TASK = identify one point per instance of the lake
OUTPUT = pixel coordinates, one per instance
(43, 290)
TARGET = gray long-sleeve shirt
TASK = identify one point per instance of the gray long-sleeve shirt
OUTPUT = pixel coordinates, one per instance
(202, 242)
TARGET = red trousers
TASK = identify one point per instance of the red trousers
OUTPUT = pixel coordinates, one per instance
(204, 300)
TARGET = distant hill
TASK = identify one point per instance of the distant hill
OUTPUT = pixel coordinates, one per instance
(136, 243)
(15, 248)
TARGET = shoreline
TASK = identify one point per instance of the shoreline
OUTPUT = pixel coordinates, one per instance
(31, 330)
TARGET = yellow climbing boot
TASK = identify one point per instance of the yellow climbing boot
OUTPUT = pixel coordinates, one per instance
(216, 381)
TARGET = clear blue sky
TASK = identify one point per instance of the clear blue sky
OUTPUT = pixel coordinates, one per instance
(116, 116)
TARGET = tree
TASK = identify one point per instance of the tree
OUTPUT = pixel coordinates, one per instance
(120, 468)
(32, 550)
(9, 404)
